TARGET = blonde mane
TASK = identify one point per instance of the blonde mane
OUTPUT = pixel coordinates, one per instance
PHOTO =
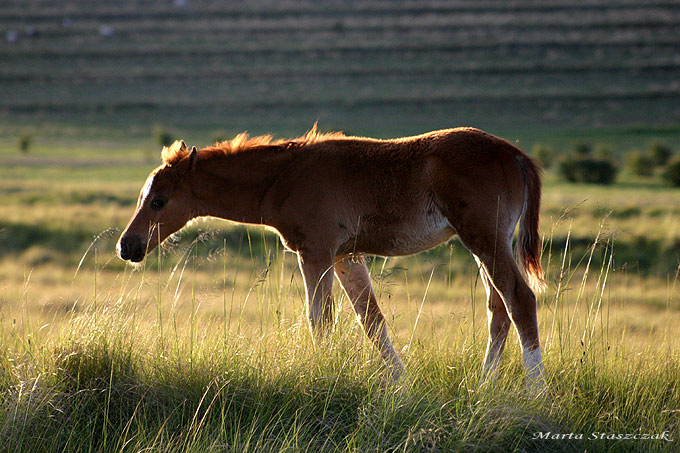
(243, 142)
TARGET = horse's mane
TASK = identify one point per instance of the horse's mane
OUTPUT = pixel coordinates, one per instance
(243, 143)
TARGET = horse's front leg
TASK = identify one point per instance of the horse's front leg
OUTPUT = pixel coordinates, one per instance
(356, 281)
(317, 273)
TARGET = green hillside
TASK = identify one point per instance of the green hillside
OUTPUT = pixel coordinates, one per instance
(380, 68)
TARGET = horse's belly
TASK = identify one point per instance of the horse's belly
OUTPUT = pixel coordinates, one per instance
(409, 241)
(404, 237)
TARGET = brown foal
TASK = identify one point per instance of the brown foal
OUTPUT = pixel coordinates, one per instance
(333, 198)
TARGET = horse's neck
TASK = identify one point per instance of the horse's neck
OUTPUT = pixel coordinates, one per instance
(233, 186)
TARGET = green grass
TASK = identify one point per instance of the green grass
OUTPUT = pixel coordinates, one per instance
(106, 387)
(205, 347)
(136, 366)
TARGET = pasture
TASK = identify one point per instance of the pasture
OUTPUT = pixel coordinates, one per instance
(205, 347)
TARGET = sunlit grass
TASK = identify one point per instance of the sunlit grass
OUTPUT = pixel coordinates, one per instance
(205, 346)
(213, 352)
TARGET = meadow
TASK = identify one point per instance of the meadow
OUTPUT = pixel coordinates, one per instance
(205, 346)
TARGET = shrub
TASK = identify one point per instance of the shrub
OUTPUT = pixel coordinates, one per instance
(544, 154)
(641, 164)
(598, 171)
(660, 153)
(162, 136)
(24, 142)
(567, 169)
(672, 171)
(589, 170)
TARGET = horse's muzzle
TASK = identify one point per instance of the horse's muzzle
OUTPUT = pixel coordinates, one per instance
(131, 249)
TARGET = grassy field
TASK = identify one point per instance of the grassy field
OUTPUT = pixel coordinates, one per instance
(205, 346)
(376, 68)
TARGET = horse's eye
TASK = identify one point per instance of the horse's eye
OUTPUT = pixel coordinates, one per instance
(157, 204)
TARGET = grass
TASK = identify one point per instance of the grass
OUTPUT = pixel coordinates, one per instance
(135, 367)
(205, 347)
(108, 387)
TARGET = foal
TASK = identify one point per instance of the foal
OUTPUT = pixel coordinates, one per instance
(333, 198)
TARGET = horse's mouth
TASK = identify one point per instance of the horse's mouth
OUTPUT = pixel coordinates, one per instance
(137, 257)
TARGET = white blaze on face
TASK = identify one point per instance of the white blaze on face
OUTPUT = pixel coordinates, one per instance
(147, 188)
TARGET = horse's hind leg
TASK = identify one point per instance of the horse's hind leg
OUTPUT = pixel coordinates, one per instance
(505, 277)
(499, 325)
(356, 281)
(520, 303)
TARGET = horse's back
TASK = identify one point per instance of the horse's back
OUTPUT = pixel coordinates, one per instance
(411, 194)
(401, 196)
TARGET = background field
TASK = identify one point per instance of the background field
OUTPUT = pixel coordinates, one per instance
(205, 346)
(368, 68)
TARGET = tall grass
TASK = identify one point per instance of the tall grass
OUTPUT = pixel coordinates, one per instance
(117, 377)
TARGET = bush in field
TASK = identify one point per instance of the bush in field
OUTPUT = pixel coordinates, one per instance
(641, 164)
(24, 142)
(578, 168)
(162, 136)
(597, 171)
(567, 169)
(660, 153)
(672, 171)
(584, 165)
(544, 154)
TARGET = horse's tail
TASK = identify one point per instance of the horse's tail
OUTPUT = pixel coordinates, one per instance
(529, 244)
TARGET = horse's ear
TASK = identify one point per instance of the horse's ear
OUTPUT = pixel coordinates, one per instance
(193, 158)
(173, 153)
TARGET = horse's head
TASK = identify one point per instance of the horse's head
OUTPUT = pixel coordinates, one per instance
(165, 204)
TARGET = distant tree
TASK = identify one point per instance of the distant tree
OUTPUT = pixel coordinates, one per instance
(672, 171)
(162, 136)
(641, 164)
(660, 153)
(24, 142)
(544, 154)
